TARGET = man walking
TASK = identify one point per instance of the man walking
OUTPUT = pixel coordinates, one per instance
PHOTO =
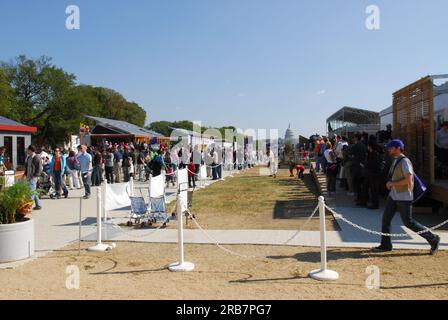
(33, 170)
(401, 197)
(85, 161)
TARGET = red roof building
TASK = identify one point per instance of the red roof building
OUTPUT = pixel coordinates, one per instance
(15, 137)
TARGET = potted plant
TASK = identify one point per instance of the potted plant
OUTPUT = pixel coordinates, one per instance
(16, 230)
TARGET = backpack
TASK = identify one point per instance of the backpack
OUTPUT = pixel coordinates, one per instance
(419, 187)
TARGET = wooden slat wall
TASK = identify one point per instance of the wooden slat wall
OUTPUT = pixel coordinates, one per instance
(413, 113)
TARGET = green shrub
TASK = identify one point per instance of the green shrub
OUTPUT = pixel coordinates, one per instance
(13, 198)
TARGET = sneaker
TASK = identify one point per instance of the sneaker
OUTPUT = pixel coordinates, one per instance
(66, 195)
(435, 246)
(87, 196)
(58, 196)
(37, 208)
(382, 248)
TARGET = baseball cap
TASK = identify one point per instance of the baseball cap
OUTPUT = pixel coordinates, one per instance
(396, 143)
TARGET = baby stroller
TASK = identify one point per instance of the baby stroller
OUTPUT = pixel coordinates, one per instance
(148, 214)
(139, 212)
(45, 186)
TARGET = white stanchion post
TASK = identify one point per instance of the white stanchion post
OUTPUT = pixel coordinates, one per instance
(182, 265)
(104, 202)
(222, 171)
(100, 247)
(201, 177)
(323, 274)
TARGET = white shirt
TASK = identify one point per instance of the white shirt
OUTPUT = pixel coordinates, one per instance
(339, 147)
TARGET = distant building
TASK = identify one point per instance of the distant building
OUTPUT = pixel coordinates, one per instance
(347, 121)
(386, 118)
(15, 137)
(121, 131)
(290, 137)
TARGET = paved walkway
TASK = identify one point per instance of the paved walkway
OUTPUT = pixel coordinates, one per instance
(58, 225)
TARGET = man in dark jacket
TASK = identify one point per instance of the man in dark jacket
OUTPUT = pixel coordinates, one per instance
(33, 170)
(358, 156)
(374, 169)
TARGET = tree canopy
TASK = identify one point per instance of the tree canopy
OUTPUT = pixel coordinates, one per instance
(40, 94)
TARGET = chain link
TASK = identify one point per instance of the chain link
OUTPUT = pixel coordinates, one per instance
(392, 235)
(234, 253)
(303, 227)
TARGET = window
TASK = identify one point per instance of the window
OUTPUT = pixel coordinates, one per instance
(8, 152)
(21, 151)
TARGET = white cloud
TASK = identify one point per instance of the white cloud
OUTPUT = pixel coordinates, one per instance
(321, 92)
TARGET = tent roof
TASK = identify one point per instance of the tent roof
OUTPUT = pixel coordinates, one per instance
(123, 127)
(355, 115)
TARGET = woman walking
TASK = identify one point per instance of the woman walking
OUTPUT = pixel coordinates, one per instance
(73, 165)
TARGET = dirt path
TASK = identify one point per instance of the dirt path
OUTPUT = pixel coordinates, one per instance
(136, 270)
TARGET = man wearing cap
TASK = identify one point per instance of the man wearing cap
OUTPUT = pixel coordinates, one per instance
(401, 197)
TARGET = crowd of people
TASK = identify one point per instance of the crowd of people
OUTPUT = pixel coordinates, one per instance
(88, 166)
(360, 164)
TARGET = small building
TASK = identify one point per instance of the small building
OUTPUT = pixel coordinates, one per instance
(116, 131)
(387, 118)
(347, 121)
(15, 137)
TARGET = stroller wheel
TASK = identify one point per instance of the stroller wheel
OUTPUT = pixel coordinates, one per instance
(142, 225)
(164, 225)
(129, 223)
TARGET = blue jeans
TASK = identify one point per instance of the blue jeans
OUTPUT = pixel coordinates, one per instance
(405, 210)
(219, 171)
(319, 163)
(58, 179)
(87, 181)
(33, 187)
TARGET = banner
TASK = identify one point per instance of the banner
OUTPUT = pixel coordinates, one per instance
(117, 196)
(183, 188)
(157, 186)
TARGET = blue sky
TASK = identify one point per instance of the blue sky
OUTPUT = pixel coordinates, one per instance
(248, 63)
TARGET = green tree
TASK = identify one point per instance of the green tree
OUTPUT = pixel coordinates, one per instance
(8, 105)
(40, 94)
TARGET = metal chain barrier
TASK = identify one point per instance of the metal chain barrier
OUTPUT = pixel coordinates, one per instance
(303, 227)
(234, 253)
(392, 235)
(215, 242)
